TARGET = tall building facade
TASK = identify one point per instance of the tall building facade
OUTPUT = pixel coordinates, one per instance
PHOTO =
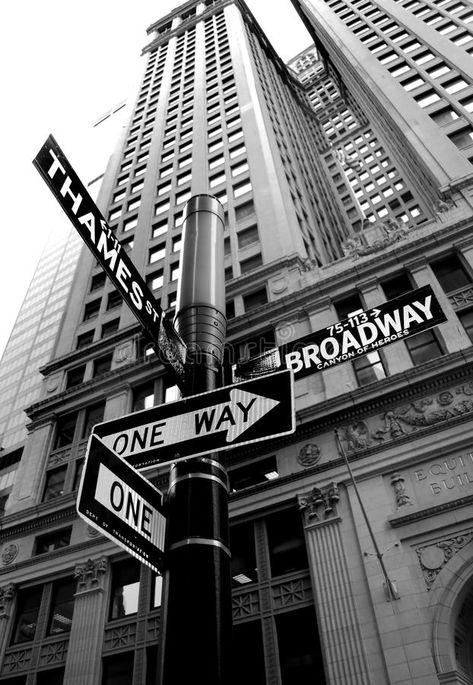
(341, 191)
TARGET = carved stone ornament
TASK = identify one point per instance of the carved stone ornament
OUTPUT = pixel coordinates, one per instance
(10, 553)
(92, 532)
(432, 558)
(124, 353)
(279, 285)
(309, 455)
(90, 575)
(319, 504)
(402, 498)
(7, 595)
(375, 237)
(402, 420)
(52, 383)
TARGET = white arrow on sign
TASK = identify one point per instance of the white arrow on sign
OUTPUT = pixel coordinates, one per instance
(235, 416)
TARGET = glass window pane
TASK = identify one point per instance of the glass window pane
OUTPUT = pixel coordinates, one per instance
(300, 656)
(54, 676)
(93, 415)
(65, 430)
(423, 347)
(247, 642)
(62, 606)
(242, 545)
(125, 588)
(286, 542)
(54, 486)
(27, 614)
(118, 669)
(451, 273)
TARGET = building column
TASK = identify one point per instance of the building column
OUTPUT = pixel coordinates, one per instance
(83, 662)
(397, 357)
(345, 659)
(7, 602)
(454, 336)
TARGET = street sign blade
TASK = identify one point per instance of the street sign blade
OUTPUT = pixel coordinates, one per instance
(120, 503)
(361, 333)
(87, 219)
(213, 421)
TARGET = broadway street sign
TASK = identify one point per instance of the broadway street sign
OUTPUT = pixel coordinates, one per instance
(364, 332)
(121, 504)
(217, 420)
(89, 222)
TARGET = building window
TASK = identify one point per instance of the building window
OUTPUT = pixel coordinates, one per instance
(91, 309)
(397, 286)
(28, 604)
(114, 299)
(369, 368)
(300, 656)
(251, 263)
(144, 397)
(62, 606)
(423, 347)
(98, 281)
(125, 588)
(54, 676)
(157, 253)
(155, 280)
(102, 365)
(109, 328)
(255, 299)
(75, 376)
(260, 471)
(51, 541)
(84, 339)
(65, 429)
(118, 669)
(54, 486)
(156, 591)
(287, 550)
(93, 414)
(248, 236)
(247, 640)
(451, 273)
(243, 563)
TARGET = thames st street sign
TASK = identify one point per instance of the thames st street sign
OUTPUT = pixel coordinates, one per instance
(217, 420)
(85, 216)
(120, 503)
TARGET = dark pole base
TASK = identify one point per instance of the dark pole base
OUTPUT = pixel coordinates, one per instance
(196, 608)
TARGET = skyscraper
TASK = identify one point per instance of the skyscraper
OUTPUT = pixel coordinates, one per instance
(340, 192)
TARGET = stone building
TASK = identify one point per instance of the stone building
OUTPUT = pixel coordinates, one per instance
(346, 182)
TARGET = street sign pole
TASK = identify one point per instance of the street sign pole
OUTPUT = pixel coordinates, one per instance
(196, 607)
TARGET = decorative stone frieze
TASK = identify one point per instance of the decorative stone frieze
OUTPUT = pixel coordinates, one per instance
(403, 420)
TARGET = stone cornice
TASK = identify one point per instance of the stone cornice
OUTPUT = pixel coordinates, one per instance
(26, 521)
(61, 552)
(397, 520)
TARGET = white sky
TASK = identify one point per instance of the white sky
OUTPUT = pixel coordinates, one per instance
(63, 65)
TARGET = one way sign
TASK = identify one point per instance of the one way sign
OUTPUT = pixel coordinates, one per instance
(217, 420)
(121, 504)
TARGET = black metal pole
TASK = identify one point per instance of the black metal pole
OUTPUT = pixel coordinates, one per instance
(196, 608)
